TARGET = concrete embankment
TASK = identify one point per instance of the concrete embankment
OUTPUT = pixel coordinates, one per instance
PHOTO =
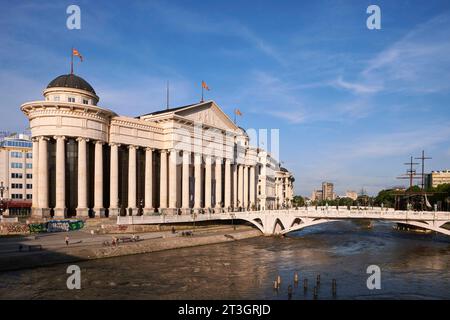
(45, 257)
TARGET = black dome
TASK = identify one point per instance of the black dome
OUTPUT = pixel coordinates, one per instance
(71, 81)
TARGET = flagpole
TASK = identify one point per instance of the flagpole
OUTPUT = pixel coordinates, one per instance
(167, 106)
(71, 62)
(202, 92)
(234, 116)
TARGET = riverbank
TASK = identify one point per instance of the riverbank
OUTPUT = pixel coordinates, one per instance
(48, 254)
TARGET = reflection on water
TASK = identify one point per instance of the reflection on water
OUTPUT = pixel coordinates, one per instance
(414, 266)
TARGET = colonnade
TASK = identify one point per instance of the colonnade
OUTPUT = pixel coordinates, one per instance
(218, 185)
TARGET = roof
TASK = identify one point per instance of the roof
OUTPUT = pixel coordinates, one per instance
(154, 113)
(71, 81)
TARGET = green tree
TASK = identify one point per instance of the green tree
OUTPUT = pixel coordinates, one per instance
(298, 201)
(385, 197)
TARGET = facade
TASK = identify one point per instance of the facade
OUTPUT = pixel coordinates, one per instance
(328, 191)
(266, 180)
(284, 188)
(351, 194)
(436, 178)
(89, 161)
(16, 173)
(317, 195)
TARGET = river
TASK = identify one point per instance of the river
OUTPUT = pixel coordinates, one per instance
(413, 266)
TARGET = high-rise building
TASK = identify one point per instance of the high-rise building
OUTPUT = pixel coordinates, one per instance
(328, 191)
(317, 195)
(16, 166)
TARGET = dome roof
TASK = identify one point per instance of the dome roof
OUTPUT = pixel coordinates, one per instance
(71, 81)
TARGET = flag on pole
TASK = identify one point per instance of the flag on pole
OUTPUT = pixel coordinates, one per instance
(204, 85)
(237, 112)
(75, 52)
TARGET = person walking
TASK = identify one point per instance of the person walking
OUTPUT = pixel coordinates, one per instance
(66, 239)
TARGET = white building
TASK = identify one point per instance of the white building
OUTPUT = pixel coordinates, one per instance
(89, 161)
(266, 181)
(351, 194)
(436, 178)
(16, 185)
(284, 188)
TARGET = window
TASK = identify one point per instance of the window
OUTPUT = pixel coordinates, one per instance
(16, 165)
(16, 196)
(29, 155)
(16, 176)
(29, 196)
(16, 154)
(71, 99)
(29, 186)
(29, 176)
(16, 186)
(56, 98)
(23, 144)
(85, 101)
(29, 165)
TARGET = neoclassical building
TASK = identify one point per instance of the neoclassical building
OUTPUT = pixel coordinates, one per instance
(89, 161)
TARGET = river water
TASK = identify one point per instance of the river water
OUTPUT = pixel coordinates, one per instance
(413, 266)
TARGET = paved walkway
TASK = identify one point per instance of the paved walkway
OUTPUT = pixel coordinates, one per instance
(82, 238)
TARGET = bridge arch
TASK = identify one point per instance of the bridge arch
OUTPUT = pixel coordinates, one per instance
(278, 227)
(436, 226)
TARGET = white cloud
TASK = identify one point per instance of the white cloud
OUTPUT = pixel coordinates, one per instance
(359, 88)
(415, 63)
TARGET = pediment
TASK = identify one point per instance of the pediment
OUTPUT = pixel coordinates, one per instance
(209, 114)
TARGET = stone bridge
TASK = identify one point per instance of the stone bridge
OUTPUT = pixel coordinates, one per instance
(278, 222)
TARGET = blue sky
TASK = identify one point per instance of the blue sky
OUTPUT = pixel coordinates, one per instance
(351, 104)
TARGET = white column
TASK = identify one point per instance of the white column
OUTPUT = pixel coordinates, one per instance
(185, 189)
(198, 181)
(208, 164)
(114, 181)
(163, 181)
(132, 180)
(43, 178)
(252, 188)
(227, 190)
(218, 184)
(240, 186)
(235, 186)
(148, 181)
(245, 187)
(35, 199)
(60, 183)
(82, 210)
(173, 206)
(98, 180)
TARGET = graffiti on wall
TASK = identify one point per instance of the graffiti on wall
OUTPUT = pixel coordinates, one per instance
(56, 226)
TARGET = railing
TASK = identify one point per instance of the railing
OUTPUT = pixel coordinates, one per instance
(330, 213)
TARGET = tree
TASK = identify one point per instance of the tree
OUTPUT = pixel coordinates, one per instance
(298, 201)
(385, 197)
(345, 201)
